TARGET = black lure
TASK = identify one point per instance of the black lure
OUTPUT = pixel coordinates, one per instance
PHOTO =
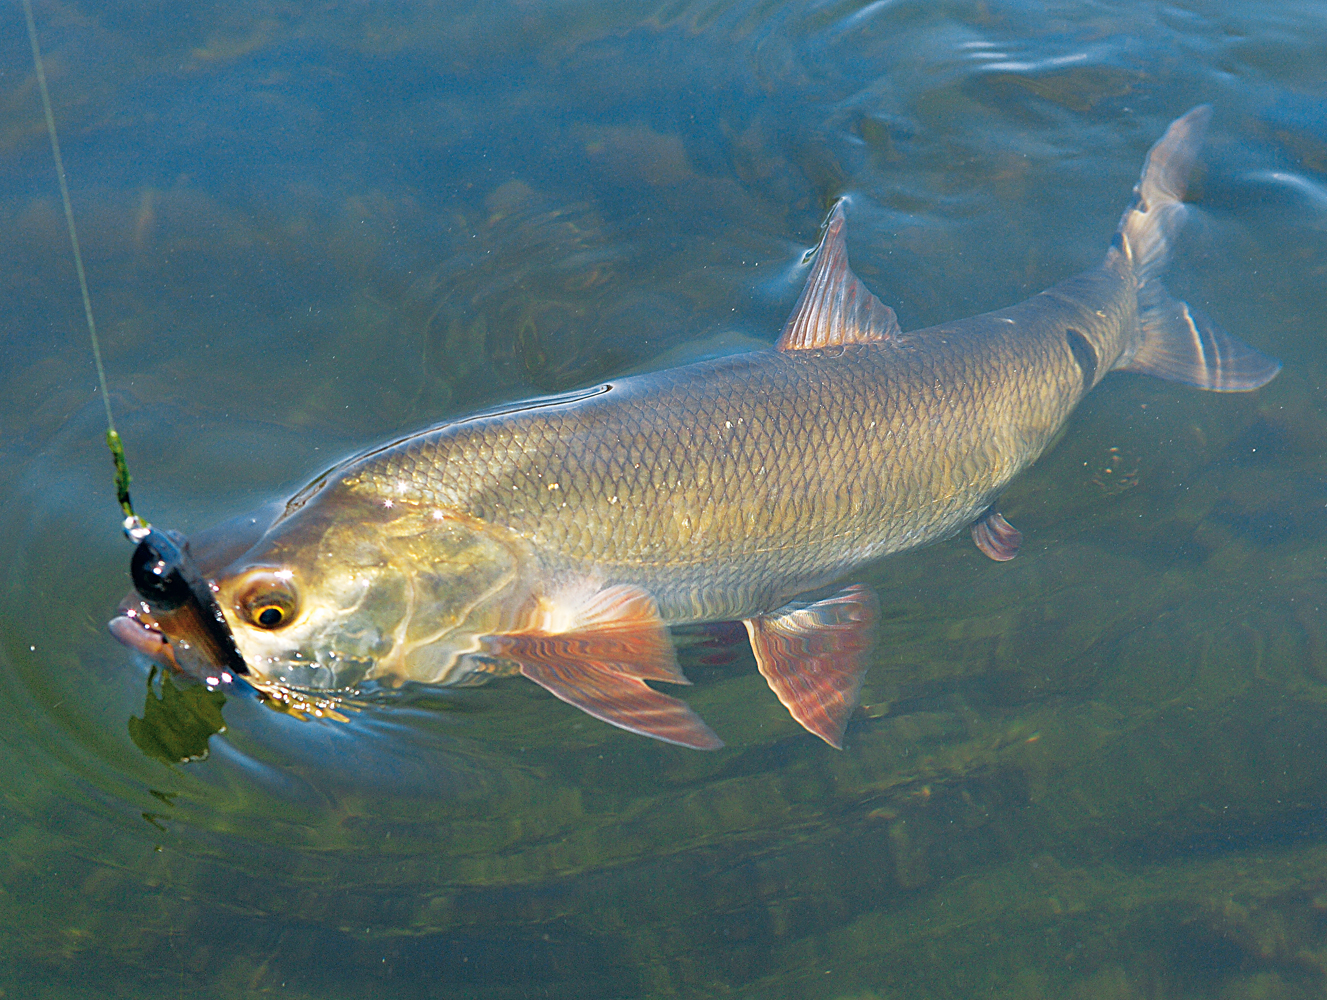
(165, 576)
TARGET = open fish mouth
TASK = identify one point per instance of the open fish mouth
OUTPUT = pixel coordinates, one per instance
(136, 627)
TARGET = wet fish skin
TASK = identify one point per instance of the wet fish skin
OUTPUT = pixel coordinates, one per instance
(727, 487)
(558, 537)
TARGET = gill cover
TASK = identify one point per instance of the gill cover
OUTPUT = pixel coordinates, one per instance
(345, 588)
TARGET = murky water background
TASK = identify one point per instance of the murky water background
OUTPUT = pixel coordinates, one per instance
(1097, 771)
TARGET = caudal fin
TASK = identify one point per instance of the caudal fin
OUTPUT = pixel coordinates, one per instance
(1177, 342)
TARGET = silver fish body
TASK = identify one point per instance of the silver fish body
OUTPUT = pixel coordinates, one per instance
(727, 487)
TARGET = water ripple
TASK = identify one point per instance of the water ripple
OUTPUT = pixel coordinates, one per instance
(1313, 193)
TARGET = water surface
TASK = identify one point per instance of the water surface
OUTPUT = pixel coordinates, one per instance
(1096, 771)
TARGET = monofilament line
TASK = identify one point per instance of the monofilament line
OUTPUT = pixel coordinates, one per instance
(112, 435)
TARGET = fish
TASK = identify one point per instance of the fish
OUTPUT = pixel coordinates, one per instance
(560, 538)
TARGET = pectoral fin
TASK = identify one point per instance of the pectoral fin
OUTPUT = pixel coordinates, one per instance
(996, 537)
(835, 307)
(596, 654)
(623, 701)
(814, 658)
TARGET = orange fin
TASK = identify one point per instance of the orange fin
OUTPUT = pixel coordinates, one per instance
(597, 652)
(618, 628)
(622, 701)
(996, 537)
(835, 307)
(814, 658)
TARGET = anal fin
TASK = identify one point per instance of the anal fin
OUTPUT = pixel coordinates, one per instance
(996, 537)
(835, 307)
(596, 654)
(814, 658)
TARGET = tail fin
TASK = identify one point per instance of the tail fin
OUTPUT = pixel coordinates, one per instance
(1175, 341)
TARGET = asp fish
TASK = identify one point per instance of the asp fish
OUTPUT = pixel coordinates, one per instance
(560, 537)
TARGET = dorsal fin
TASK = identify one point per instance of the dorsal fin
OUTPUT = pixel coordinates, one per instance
(835, 307)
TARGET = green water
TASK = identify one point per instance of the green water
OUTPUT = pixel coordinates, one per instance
(1096, 771)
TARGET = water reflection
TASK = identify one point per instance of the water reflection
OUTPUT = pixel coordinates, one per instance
(176, 724)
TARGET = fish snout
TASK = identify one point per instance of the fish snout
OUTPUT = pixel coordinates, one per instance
(136, 627)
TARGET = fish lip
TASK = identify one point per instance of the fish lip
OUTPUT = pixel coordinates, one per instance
(135, 626)
(153, 632)
(183, 599)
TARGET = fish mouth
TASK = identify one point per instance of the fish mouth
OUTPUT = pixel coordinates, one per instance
(135, 626)
(179, 639)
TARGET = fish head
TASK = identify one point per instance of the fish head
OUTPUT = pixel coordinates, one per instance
(345, 587)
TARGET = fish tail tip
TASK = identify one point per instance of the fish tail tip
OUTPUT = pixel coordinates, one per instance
(1149, 224)
(1181, 344)
(1176, 341)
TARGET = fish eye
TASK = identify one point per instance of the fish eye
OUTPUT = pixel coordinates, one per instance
(268, 600)
(271, 616)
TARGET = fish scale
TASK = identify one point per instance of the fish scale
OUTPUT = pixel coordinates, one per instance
(798, 465)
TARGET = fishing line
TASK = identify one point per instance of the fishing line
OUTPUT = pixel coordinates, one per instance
(133, 523)
(162, 569)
